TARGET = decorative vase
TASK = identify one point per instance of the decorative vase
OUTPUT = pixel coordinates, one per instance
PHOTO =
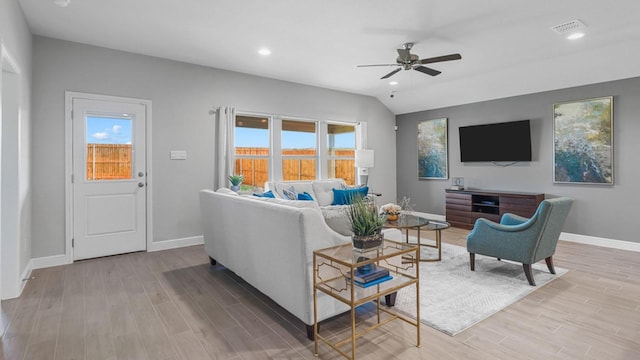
(235, 188)
(392, 217)
(367, 242)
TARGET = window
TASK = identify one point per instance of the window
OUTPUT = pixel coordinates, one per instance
(108, 153)
(341, 146)
(252, 150)
(299, 150)
(273, 148)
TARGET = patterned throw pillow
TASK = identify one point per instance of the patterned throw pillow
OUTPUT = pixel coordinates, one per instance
(290, 193)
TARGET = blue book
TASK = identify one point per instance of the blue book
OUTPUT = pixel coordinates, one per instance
(374, 282)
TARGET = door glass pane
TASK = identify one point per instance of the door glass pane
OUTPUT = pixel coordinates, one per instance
(108, 148)
(252, 150)
(299, 150)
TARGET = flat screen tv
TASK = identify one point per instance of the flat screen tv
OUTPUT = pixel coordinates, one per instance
(507, 141)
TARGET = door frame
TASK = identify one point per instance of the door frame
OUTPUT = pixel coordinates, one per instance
(68, 164)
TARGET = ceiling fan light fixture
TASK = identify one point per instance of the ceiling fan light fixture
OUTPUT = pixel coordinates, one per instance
(393, 83)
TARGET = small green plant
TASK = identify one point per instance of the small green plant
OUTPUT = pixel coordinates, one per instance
(364, 218)
(236, 179)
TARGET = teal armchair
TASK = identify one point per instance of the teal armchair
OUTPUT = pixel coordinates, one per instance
(520, 239)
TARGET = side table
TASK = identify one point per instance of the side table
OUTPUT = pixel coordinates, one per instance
(333, 274)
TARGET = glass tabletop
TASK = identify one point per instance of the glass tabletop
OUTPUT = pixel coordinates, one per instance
(413, 221)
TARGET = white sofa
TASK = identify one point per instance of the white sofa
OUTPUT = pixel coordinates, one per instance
(269, 243)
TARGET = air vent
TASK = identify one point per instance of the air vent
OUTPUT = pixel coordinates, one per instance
(568, 27)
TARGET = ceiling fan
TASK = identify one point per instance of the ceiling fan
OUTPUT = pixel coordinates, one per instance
(406, 60)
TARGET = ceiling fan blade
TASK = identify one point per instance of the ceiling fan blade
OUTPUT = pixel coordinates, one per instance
(428, 71)
(377, 65)
(391, 73)
(404, 54)
(440, 59)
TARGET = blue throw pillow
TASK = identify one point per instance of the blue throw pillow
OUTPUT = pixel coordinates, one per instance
(344, 196)
(305, 196)
(267, 194)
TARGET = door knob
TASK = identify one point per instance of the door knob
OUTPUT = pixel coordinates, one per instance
(140, 184)
(140, 174)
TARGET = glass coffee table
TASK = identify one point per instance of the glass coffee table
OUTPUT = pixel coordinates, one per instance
(408, 222)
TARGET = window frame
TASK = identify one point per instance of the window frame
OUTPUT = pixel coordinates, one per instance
(276, 156)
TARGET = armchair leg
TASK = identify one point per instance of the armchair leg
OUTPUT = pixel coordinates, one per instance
(549, 261)
(529, 274)
(472, 261)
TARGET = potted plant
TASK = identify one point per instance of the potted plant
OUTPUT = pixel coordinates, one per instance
(365, 223)
(236, 180)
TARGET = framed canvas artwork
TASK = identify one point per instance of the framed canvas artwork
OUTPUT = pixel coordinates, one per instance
(433, 160)
(583, 141)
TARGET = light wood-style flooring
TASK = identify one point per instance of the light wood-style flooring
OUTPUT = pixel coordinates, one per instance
(172, 305)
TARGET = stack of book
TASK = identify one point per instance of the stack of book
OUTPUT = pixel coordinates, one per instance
(370, 277)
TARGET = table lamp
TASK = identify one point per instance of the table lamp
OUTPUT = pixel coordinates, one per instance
(364, 161)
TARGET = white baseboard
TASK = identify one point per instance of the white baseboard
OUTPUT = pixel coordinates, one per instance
(175, 243)
(598, 241)
(577, 238)
(50, 261)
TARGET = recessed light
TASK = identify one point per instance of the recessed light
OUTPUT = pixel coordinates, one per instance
(393, 83)
(264, 52)
(575, 36)
(62, 3)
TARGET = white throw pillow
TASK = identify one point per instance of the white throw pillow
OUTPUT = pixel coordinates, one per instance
(336, 218)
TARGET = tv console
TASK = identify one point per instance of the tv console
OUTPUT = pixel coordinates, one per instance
(463, 207)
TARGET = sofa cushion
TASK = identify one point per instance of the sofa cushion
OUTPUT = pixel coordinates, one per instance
(344, 196)
(324, 190)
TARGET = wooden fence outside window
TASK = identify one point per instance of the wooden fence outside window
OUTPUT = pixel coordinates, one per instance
(113, 161)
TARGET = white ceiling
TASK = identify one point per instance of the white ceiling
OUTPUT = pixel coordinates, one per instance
(507, 47)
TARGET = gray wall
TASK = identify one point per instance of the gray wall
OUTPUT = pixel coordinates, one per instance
(182, 95)
(599, 210)
(17, 41)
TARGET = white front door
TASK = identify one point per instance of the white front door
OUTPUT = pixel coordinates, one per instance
(109, 178)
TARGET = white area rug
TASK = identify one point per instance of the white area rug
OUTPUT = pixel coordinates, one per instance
(453, 298)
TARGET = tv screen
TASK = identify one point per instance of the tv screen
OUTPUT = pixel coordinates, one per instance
(507, 141)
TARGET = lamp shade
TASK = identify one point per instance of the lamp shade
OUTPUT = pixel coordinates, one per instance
(364, 158)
